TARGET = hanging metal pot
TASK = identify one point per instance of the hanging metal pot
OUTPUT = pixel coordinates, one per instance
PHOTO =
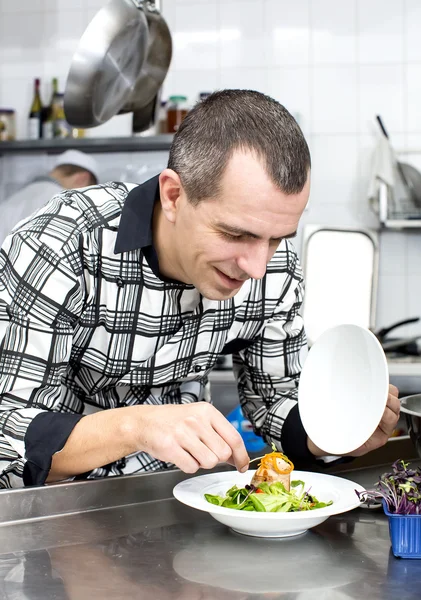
(120, 63)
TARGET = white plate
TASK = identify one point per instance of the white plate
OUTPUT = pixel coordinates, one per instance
(324, 487)
(343, 389)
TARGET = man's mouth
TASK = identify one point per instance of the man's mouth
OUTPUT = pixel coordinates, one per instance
(230, 282)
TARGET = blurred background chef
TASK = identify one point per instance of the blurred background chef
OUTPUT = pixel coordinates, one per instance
(72, 169)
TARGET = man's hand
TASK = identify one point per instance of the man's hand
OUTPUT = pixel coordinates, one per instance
(386, 426)
(191, 436)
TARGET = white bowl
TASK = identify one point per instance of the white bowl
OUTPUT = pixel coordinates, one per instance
(343, 389)
(261, 524)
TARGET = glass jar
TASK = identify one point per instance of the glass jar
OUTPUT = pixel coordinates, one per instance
(7, 125)
(176, 111)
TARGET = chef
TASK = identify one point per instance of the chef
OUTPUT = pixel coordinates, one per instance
(71, 169)
(117, 300)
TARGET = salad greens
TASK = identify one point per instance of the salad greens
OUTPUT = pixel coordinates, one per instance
(400, 489)
(268, 497)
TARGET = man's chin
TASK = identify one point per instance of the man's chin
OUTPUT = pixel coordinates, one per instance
(218, 294)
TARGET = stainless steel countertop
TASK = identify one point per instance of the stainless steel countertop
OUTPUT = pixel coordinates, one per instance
(127, 538)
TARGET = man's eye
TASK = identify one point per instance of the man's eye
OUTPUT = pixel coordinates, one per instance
(230, 237)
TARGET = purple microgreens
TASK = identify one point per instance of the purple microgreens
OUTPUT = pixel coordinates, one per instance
(400, 489)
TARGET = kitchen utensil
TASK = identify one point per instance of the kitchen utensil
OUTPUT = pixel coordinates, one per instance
(403, 172)
(343, 389)
(154, 67)
(119, 64)
(263, 524)
(406, 345)
(413, 176)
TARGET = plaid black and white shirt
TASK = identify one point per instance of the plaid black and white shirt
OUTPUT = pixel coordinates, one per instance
(87, 322)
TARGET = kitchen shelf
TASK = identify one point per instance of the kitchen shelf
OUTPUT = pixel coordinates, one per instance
(113, 144)
(402, 224)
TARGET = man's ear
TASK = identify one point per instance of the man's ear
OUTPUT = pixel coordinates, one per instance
(170, 190)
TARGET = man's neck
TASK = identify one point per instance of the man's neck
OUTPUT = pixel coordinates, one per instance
(162, 235)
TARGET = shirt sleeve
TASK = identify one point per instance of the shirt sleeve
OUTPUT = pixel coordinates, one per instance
(268, 370)
(40, 301)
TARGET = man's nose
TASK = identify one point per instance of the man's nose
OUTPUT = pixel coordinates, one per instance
(254, 260)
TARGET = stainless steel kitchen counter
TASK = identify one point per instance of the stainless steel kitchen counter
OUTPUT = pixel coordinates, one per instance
(127, 538)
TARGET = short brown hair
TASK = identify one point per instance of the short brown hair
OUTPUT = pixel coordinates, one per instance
(68, 170)
(238, 119)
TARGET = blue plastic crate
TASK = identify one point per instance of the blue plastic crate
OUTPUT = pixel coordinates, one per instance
(405, 534)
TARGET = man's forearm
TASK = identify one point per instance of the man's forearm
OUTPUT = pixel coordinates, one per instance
(96, 440)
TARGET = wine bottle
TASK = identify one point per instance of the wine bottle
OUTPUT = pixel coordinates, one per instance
(49, 113)
(35, 114)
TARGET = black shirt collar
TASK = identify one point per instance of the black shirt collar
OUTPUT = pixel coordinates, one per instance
(135, 229)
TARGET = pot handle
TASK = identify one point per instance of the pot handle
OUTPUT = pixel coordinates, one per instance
(382, 333)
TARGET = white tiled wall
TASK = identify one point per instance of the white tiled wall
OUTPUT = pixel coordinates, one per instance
(335, 63)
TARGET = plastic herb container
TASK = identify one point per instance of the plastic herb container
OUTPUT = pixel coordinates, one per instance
(405, 534)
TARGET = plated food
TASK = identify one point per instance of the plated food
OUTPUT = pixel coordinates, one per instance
(336, 492)
(270, 490)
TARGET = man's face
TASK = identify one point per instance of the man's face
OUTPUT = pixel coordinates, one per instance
(222, 242)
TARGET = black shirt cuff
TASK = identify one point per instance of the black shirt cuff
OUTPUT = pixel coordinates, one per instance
(294, 441)
(46, 435)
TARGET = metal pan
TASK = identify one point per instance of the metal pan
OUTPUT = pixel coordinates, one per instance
(155, 67)
(115, 56)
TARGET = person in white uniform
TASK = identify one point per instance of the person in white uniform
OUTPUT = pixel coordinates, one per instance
(71, 170)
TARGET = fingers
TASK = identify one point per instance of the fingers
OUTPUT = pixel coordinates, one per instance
(393, 404)
(208, 438)
(184, 461)
(234, 440)
(393, 390)
(389, 421)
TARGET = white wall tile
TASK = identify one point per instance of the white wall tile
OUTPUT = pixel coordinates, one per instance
(413, 257)
(391, 300)
(334, 93)
(241, 35)
(10, 6)
(334, 169)
(197, 37)
(381, 92)
(65, 30)
(23, 32)
(414, 304)
(380, 27)
(393, 252)
(96, 3)
(168, 11)
(65, 5)
(413, 97)
(287, 32)
(291, 87)
(253, 79)
(191, 83)
(333, 32)
(412, 30)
